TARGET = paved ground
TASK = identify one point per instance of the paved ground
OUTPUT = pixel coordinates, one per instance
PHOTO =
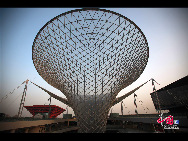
(127, 130)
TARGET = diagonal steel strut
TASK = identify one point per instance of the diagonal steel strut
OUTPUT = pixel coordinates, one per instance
(119, 99)
(65, 101)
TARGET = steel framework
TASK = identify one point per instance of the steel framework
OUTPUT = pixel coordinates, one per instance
(90, 55)
(52, 110)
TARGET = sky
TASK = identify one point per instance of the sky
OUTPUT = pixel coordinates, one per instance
(166, 30)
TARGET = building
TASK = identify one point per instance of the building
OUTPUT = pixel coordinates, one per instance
(173, 97)
(46, 111)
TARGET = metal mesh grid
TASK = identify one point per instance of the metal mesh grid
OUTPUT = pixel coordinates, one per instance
(90, 55)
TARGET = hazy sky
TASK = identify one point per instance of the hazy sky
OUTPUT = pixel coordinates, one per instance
(166, 30)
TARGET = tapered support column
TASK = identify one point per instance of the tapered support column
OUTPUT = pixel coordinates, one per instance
(92, 114)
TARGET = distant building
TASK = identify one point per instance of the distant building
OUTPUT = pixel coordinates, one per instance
(67, 116)
(45, 111)
(114, 115)
(173, 97)
(38, 116)
(2, 116)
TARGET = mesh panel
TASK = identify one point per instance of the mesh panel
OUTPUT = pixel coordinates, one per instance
(90, 55)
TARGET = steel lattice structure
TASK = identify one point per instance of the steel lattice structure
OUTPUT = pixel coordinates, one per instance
(90, 55)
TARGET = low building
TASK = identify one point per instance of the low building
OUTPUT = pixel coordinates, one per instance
(46, 111)
(173, 97)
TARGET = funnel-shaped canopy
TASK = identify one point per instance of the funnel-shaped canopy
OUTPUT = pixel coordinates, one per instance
(90, 55)
(88, 51)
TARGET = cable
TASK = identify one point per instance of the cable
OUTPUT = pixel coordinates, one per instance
(5, 97)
